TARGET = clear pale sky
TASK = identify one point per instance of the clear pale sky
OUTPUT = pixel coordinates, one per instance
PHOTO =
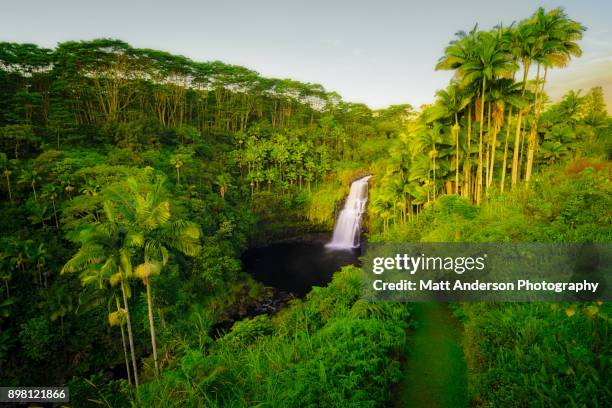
(376, 52)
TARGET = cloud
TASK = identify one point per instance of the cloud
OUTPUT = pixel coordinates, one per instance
(596, 71)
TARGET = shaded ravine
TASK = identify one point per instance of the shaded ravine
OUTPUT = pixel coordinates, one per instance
(435, 374)
(296, 267)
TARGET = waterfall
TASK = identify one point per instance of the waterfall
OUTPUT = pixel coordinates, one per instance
(347, 231)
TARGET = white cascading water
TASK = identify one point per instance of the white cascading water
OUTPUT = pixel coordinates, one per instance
(347, 232)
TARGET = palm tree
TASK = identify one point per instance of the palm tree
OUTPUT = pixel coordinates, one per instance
(145, 213)
(5, 268)
(459, 51)
(504, 92)
(105, 256)
(571, 107)
(30, 177)
(51, 191)
(224, 181)
(60, 303)
(7, 174)
(467, 160)
(456, 54)
(515, 100)
(517, 141)
(491, 61)
(522, 43)
(478, 58)
(383, 206)
(90, 188)
(428, 138)
(558, 36)
(177, 162)
(38, 257)
(450, 103)
(119, 318)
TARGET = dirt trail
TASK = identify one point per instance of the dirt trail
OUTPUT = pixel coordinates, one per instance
(435, 371)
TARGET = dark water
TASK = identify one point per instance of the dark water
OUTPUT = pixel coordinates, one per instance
(297, 266)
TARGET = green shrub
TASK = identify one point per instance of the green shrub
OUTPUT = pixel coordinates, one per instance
(246, 331)
(542, 355)
(330, 350)
(37, 337)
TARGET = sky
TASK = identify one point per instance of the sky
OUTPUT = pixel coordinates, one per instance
(378, 52)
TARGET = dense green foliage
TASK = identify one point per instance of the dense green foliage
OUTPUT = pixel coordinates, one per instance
(133, 180)
(569, 202)
(493, 126)
(531, 354)
(331, 349)
(538, 354)
(517, 354)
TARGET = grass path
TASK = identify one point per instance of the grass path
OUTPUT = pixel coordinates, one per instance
(435, 371)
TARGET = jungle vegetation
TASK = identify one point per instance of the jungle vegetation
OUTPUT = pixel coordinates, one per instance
(133, 179)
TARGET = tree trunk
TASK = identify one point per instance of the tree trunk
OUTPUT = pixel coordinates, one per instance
(55, 215)
(8, 185)
(517, 157)
(457, 154)
(533, 133)
(521, 153)
(152, 327)
(466, 169)
(496, 127)
(434, 173)
(531, 146)
(479, 170)
(125, 355)
(517, 142)
(526, 66)
(125, 352)
(130, 336)
(505, 161)
(488, 153)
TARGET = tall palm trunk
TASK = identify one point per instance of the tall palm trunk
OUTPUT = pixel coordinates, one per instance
(466, 168)
(125, 352)
(517, 143)
(152, 326)
(496, 127)
(533, 133)
(505, 160)
(130, 336)
(526, 66)
(457, 154)
(522, 152)
(8, 184)
(434, 173)
(488, 152)
(55, 215)
(479, 170)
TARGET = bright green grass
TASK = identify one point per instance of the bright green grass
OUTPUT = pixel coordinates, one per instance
(435, 372)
